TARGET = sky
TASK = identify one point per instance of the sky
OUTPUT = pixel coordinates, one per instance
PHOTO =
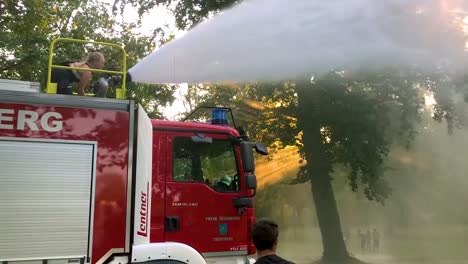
(159, 16)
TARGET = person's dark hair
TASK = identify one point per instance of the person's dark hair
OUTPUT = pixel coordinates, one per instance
(264, 234)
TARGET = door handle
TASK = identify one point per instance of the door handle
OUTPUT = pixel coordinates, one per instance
(241, 203)
(172, 224)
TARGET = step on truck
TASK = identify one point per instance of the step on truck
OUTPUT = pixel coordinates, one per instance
(95, 180)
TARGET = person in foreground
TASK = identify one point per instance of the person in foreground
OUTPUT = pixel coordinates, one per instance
(265, 239)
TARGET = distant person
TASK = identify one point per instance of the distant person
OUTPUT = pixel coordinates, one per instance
(65, 77)
(375, 240)
(368, 240)
(265, 239)
(362, 239)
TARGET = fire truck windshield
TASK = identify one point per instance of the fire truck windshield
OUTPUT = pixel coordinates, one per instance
(211, 163)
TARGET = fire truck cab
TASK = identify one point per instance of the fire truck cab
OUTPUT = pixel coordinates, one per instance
(94, 180)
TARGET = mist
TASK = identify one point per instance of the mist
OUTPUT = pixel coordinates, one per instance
(269, 40)
(423, 221)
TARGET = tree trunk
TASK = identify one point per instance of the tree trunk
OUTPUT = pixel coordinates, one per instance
(319, 167)
(334, 247)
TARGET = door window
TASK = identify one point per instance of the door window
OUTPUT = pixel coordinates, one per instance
(212, 162)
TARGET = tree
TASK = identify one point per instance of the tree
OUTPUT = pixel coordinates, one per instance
(351, 122)
(338, 120)
(28, 27)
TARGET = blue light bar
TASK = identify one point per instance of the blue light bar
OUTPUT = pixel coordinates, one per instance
(219, 116)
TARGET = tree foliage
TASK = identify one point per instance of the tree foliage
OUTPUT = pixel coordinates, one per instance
(359, 117)
(28, 27)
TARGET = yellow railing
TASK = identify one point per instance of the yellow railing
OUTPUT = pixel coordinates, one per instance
(51, 88)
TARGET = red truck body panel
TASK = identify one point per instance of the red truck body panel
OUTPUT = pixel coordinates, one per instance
(209, 222)
(110, 129)
(158, 202)
(191, 126)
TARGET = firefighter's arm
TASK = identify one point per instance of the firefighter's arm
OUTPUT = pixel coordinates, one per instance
(85, 77)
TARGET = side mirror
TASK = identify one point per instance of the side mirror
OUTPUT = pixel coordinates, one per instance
(251, 181)
(260, 148)
(247, 156)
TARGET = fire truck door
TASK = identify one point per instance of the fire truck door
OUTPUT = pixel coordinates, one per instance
(203, 178)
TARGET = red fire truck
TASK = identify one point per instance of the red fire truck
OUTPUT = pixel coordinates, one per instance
(94, 180)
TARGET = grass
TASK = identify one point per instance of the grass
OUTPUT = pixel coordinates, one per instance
(441, 244)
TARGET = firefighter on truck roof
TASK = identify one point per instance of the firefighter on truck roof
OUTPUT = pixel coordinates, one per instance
(65, 77)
